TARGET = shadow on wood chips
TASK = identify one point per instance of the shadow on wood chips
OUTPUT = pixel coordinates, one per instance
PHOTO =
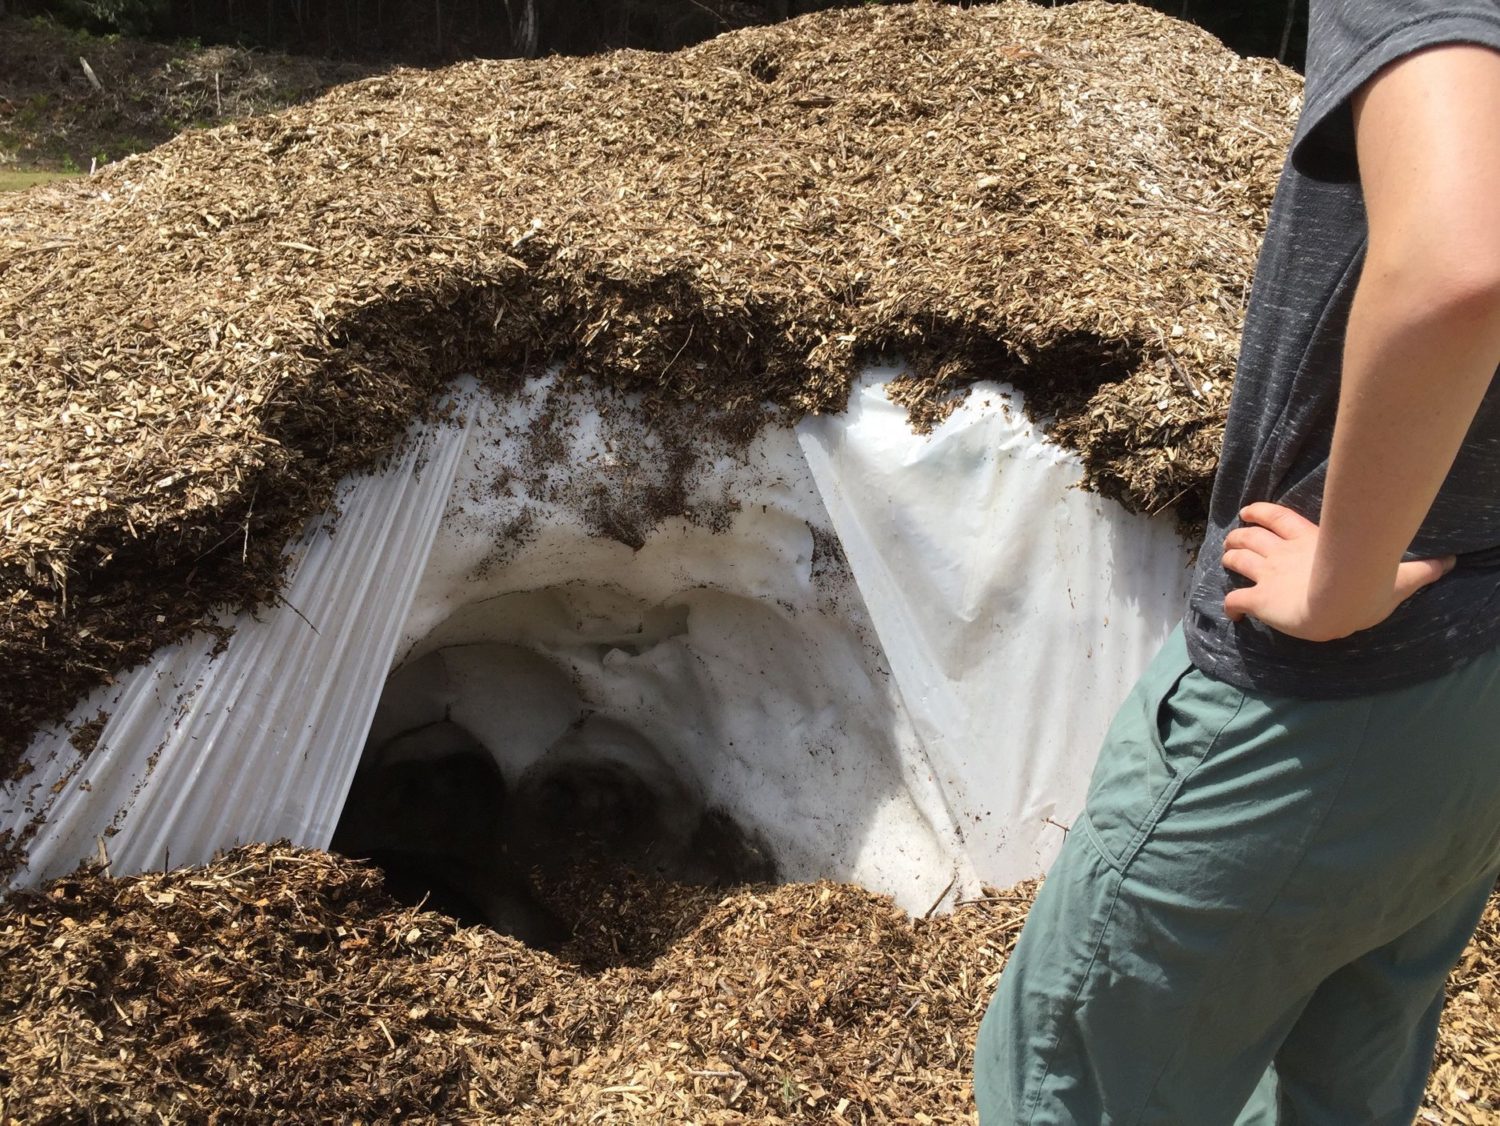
(283, 984)
(197, 342)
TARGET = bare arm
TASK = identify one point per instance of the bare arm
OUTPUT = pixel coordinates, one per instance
(1422, 346)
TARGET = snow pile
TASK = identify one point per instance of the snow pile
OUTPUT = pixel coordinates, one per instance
(849, 651)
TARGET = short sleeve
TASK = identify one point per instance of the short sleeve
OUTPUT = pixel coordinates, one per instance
(1349, 42)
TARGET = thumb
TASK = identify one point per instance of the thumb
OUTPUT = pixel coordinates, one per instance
(1412, 577)
(1239, 603)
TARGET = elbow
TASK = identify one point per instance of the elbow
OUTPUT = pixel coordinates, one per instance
(1470, 291)
(1458, 287)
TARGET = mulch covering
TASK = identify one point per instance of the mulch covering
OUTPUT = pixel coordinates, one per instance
(196, 343)
(283, 985)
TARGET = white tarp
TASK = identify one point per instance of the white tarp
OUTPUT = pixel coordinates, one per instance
(1016, 609)
(917, 712)
(207, 746)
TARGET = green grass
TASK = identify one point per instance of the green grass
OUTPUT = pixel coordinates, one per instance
(19, 181)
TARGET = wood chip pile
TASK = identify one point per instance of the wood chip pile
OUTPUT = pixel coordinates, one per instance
(197, 342)
(282, 985)
(51, 113)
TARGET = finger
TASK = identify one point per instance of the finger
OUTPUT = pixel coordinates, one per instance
(1412, 577)
(1238, 604)
(1246, 563)
(1262, 541)
(1280, 519)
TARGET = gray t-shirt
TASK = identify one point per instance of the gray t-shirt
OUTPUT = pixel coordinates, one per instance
(1286, 391)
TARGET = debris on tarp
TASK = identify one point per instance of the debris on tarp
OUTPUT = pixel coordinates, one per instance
(284, 983)
(198, 342)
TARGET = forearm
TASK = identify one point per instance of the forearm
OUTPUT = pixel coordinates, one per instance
(1420, 353)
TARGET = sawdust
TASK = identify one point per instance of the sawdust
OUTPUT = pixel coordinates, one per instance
(284, 984)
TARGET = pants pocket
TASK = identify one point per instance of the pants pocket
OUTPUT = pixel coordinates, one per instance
(1146, 756)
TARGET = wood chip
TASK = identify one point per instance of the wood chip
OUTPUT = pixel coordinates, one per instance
(231, 991)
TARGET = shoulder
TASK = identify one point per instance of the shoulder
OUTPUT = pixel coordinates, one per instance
(1349, 42)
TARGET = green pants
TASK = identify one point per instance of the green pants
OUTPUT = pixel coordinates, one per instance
(1253, 919)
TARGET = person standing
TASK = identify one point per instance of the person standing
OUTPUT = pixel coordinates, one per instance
(1294, 824)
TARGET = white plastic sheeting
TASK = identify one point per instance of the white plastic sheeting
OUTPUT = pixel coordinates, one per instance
(1016, 609)
(209, 746)
(915, 712)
